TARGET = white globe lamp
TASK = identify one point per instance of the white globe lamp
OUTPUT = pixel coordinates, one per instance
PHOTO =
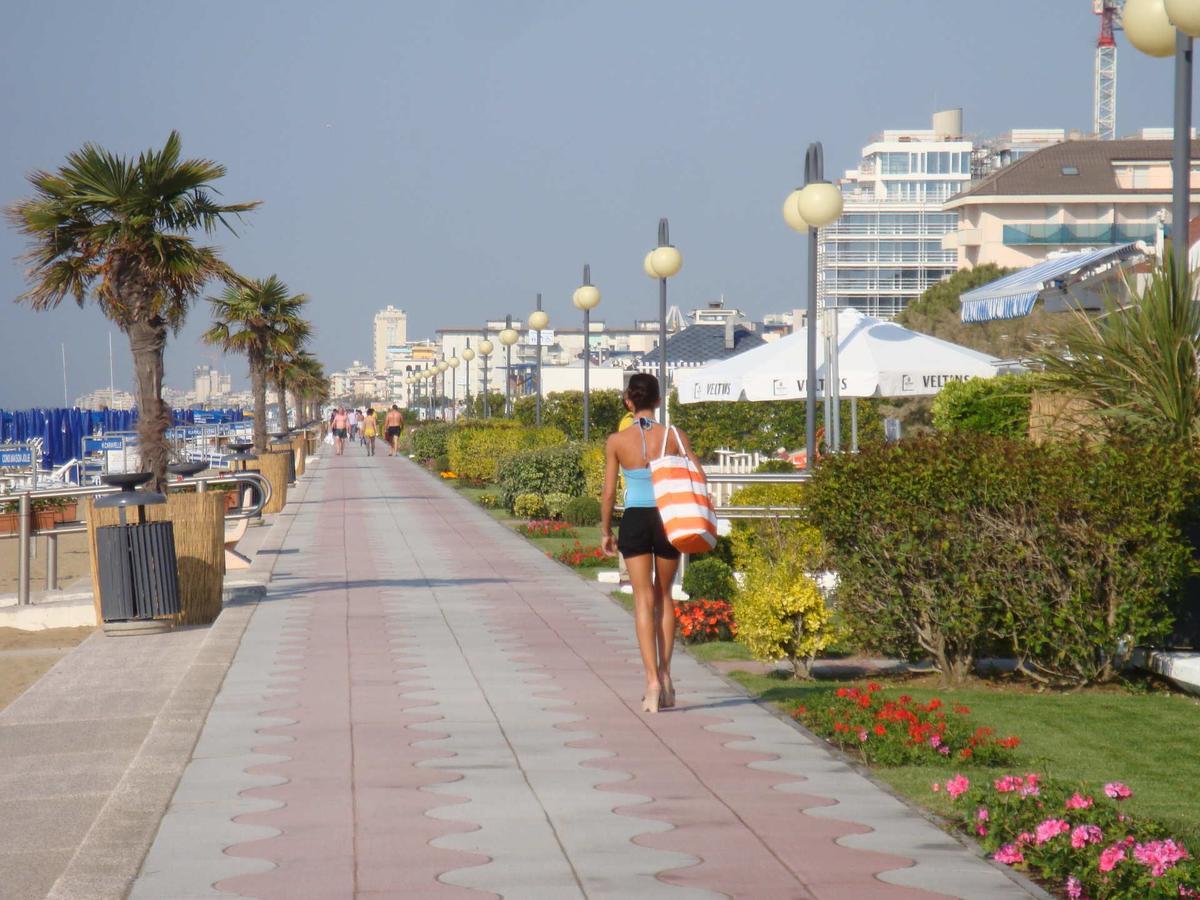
(819, 204)
(791, 212)
(1185, 15)
(468, 354)
(586, 297)
(1149, 28)
(509, 336)
(538, 319)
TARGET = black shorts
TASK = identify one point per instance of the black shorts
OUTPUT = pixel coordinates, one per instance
(393, 431)
(642, 532)
(339, 433)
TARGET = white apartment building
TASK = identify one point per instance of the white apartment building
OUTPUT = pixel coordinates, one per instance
(104, 398)
(209, 383)
(1075, 195)
(391, 330)
(886, 248)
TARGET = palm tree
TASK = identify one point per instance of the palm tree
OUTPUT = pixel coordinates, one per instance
(1138, 366)
(282, 366)
(309, 384)
(259, 318)
(120, 230)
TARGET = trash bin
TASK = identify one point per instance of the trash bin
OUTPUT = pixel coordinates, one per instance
(135, 562)
(282, 444)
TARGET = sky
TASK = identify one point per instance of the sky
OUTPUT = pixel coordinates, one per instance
(455, 157)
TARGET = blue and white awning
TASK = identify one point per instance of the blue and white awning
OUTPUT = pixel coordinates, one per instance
(1014, 295)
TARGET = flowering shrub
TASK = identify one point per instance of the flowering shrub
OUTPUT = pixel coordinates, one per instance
(581, 557)
(447, 475)
(705, 620)
(1072, 838)
(541, 528)
(900, 731)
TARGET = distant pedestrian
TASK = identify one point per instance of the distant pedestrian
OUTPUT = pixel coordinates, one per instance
(341, 426)
(352, 424)
(368, 430)
(394, 423)
(643, 544)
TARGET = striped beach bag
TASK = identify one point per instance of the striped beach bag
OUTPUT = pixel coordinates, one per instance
(681, 494)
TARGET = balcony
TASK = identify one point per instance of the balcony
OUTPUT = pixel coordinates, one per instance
(1079, 235)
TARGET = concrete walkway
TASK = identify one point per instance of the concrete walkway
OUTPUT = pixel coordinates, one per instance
(424, 705)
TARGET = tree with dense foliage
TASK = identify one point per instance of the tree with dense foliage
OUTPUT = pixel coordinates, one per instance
(283, 367)
(260, 318)
(121, 230)
(309, 385)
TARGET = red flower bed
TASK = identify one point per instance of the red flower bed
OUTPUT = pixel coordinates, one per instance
(581, 557)
(705, 620)
(900, 731)
(541, 528)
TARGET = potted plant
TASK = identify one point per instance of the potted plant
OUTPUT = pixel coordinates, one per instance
(8, 518)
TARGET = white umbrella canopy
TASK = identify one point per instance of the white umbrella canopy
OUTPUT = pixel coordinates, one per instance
(875, 359)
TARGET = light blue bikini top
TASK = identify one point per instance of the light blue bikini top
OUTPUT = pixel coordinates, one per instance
(639, 489)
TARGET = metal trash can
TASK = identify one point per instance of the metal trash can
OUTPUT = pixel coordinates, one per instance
(282, 444)
(139, 575)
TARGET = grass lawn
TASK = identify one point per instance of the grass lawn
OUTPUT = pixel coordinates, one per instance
(1146, 740)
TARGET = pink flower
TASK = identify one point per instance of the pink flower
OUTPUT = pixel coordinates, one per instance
(1051, 829)
(1110, 856)
(1086, 834)
(1118, 791)
(982, 814)
(1031, 788)
(1078, 801)
(1158, 856)
(1074, 888)
(936, 786)
(862, 735)
(981, 830)
(1008, 783)
(944, 750)
(935, 741)
(957, 786)
(1025, 837)
(1009, 854)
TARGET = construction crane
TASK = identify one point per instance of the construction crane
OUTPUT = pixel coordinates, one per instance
(1104, 118)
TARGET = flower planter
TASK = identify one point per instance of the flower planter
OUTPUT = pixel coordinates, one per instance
(44, 519)
(68, 512)
(8, 523)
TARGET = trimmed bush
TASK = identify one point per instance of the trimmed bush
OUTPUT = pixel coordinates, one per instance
(997, 406)
(529, 506)
(709, 578)
(549, 470)
(583, 512)
(1065, 555)
(478, 449)
(556, 503)
(591, 460)
(772, 538)
(564, 410)
(776, 465)
(489, 501)
(429, 442)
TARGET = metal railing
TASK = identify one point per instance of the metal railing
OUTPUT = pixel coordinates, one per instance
(26, 533)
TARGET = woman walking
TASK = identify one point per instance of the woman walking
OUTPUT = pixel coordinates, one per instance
(369, 427)
(651, 560)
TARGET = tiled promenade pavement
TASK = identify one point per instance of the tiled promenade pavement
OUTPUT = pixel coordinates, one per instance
(426, 706)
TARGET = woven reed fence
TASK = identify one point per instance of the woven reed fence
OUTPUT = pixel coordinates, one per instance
(1060, 417)
(300, 451)
(199, 521)
(274, 467)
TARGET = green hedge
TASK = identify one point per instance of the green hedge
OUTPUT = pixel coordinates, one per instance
(998, 406)
(550, 470)
(564, 410)
(765, 427)
(429, 442)
(951, 545)
(476, 450)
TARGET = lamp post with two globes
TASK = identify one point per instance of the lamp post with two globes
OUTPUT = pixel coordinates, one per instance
(661, 263)
(587, 298)
(538, 319)
(485, 350)
(453, 363)
(817, 204)
(508, 337)
(1164, 28)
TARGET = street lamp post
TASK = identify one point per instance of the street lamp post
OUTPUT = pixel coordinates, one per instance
(587, 298)
(662, 262)
(1164, 28)
(508, 337)
(468, 354)
(485, 350)
(810, 208)
(537, 321)
(452, 362)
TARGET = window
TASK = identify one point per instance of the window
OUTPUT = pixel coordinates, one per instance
(894, 164)
(1070, 170)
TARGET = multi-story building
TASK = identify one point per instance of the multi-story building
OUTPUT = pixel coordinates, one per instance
(406, 360)
(391, 330)
(1070, 196)
(104, 398)
(209, 383)
(886, 248)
